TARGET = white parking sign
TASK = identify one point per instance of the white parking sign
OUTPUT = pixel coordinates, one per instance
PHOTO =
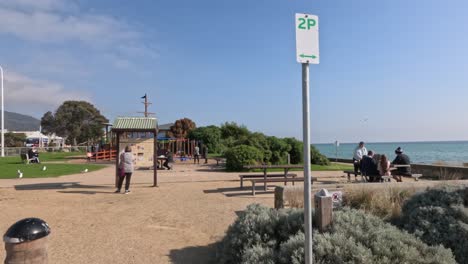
(307, 39)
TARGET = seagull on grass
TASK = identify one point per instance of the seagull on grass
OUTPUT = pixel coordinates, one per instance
(44, 168)
(20, 174)
(84, 171)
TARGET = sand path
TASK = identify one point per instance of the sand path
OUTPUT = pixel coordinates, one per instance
(178, 222)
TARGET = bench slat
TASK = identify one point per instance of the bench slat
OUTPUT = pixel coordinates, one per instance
(253, 176)
(277, 180)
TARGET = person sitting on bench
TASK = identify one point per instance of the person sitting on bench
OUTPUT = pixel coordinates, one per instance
(401, 159)
(384, 166)
(369, 167)
(168, 163)
(359, 152)
(33, 155)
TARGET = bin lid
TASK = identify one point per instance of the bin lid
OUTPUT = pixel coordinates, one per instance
(25, 230)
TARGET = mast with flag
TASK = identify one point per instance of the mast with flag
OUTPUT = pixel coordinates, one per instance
(146, 103)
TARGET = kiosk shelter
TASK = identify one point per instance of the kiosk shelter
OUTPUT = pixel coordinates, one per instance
(140, 133)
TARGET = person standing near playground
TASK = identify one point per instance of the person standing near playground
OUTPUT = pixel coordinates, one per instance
(205, 154)
(126, 169)
(196, 155)
(359, 152)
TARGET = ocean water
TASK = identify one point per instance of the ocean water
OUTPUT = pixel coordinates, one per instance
(450, 152)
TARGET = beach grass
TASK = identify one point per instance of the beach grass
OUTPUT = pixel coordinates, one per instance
(55, 166)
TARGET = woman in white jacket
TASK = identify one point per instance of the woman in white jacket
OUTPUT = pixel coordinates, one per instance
(126, 169)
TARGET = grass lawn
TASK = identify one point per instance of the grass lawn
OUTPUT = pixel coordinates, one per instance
(10, 165)
(331, 167)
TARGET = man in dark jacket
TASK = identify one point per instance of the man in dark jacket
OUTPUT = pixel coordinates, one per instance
(401, 159)
(168, 163)
(369, 167)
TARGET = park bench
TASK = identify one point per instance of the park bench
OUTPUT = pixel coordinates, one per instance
(349, 172)
(397, 177)
(25, 158)
(386, 178)
(218, 160)
(262, 176)
(293, 180)
(415, 176)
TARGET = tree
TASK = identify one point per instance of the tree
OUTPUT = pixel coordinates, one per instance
(77, 121)
(48, 123)
(209, 135)
(232, 129)
(14, 140)
(181, 128)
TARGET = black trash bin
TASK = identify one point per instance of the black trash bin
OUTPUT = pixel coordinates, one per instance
(26, 242)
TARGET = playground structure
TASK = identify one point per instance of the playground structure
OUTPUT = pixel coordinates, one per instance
(105, 154)
(182, 148)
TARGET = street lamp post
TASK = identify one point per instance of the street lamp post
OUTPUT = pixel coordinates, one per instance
(3, 114)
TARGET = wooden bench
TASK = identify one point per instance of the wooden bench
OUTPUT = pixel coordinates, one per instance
(25, 158)
(262, 176)
(415, 176)
(352, 172)
(293, 180)
(219, 160)
(386, 178)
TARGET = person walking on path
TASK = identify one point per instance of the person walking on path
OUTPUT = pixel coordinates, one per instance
(196, 155)
(359, 152)
(126, 169)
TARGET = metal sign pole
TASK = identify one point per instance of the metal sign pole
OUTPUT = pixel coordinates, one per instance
(307, 176)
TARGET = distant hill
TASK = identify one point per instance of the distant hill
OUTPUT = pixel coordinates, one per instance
(19, 122)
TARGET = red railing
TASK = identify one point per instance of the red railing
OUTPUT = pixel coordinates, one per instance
(102, 155)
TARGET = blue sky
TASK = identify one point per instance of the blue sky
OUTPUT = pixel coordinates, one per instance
(389, 70)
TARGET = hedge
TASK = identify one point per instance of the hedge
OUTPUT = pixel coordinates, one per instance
(266, 235)
(439, 216)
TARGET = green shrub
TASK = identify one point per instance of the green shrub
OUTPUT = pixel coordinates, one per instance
(297, 150)
(440, 216)
(317, 158)
(265, 235)
(237, 157)
(258, 254)
(259, 226)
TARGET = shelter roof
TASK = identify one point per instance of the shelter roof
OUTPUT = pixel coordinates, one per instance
(138, 124)
(165, 126)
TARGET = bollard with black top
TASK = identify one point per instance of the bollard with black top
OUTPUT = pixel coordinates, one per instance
(26, 242)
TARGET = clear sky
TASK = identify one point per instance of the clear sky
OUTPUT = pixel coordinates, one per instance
(389, 70)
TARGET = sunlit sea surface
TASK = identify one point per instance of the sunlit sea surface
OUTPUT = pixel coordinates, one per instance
(449, 152)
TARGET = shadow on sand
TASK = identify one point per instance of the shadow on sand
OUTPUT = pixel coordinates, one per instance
(238, 192)
(196, 255)
(56, 186)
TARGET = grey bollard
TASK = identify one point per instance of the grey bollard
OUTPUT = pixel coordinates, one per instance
(323, 209)
(26, 242)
